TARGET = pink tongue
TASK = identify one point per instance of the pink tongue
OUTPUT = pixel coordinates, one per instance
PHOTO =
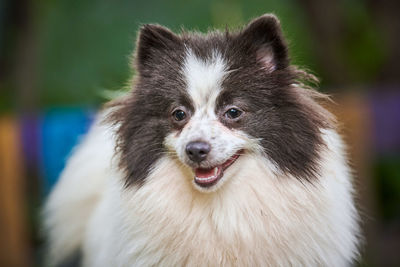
(204, 173)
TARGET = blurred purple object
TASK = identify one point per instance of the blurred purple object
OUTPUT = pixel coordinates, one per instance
(385, 110)
(30, 140)
(47, 140)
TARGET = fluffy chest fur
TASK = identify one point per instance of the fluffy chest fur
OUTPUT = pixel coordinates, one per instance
(258, 219)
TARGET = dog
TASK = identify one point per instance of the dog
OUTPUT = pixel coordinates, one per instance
(220, 155)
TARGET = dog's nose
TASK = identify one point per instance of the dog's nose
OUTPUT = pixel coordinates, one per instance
(198, 150)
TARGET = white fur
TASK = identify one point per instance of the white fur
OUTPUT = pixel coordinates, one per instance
(204, 78)
(255, 219)
(81, 185)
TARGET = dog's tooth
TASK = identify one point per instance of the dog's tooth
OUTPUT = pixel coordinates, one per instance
(215, 171)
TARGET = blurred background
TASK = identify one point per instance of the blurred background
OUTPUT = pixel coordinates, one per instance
(60, 60)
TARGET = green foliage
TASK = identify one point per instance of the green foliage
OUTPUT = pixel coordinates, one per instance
(363, 44)
(85, 46)
(6, 97)
(387, 174)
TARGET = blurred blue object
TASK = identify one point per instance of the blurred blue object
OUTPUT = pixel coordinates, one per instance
(60, 130)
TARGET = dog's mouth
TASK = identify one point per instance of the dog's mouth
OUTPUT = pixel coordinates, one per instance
(209, 177)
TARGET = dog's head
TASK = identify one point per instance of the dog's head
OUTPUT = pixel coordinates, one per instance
(205, 100)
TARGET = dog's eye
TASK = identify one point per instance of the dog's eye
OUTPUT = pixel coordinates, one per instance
(233, 113)
(179, 115)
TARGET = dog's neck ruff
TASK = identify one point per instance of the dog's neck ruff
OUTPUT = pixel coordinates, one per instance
(256, 213)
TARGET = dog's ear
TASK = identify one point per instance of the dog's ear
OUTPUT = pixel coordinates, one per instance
(153, 43)
(263, 39)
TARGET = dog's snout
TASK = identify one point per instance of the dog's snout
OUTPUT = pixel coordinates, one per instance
(198, 150)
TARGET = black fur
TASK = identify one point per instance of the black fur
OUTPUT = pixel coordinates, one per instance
(144, 115)
(284, 117)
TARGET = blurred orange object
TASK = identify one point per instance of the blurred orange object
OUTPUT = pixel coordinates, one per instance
(14, 250)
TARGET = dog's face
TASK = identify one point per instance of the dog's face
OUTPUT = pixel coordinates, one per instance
(206, 136)
(207, 99)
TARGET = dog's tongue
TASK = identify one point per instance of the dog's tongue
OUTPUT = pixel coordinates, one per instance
(207, 177)
(205, 173)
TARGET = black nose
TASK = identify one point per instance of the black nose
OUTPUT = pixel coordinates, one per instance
(198, 151)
